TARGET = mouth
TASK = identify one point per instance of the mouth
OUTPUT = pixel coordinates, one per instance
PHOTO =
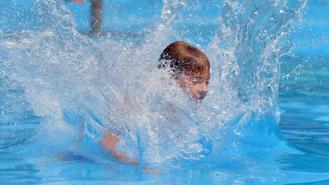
(200, 95)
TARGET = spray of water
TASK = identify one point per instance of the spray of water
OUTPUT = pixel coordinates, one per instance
(82, 88)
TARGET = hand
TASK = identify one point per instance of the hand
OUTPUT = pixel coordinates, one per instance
(122, 157)
(109, 143)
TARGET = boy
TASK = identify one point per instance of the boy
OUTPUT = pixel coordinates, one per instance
(190, 68)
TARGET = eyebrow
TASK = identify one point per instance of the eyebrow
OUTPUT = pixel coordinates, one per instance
(198, 77)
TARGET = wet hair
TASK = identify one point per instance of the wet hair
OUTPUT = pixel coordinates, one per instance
(183, 58)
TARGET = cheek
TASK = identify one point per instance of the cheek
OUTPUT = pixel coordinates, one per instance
(194, 88)
(188, 87)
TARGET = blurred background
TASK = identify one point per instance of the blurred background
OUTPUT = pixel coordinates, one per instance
(310, 36)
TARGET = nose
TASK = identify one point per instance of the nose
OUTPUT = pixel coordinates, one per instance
(202, 90)
(203, 87)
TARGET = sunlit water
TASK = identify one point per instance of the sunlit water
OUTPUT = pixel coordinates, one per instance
(61, 90)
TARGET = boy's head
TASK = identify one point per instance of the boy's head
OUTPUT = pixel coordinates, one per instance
(189, 66)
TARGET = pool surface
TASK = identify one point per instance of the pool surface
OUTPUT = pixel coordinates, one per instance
(265, 120)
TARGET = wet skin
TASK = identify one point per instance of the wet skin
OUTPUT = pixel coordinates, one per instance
(195, 84)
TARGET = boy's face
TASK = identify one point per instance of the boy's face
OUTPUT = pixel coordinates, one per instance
(195, 84)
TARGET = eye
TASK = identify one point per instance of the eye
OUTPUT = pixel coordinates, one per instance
(195, 81)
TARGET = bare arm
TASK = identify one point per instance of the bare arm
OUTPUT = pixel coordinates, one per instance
(109, 142)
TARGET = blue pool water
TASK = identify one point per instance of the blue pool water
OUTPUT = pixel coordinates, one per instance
(264, 121)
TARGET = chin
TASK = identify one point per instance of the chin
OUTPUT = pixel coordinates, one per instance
(198, 98)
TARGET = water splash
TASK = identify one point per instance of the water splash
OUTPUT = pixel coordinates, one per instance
(81, 87)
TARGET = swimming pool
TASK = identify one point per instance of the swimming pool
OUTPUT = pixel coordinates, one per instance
(53, 78)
